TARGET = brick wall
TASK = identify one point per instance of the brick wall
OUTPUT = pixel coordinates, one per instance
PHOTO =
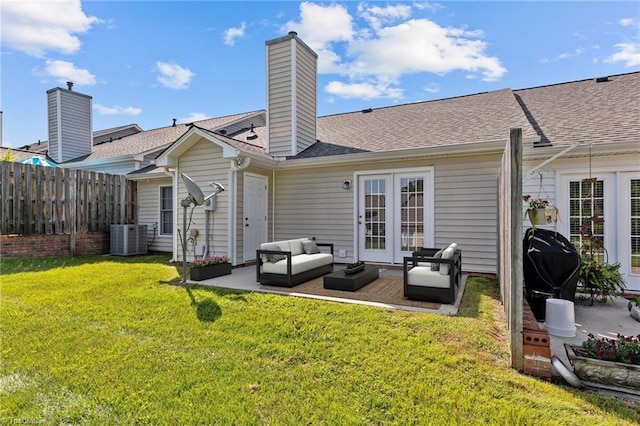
(536, 345)
(56, 245)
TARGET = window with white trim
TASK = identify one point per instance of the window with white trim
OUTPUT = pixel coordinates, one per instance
(166, 210)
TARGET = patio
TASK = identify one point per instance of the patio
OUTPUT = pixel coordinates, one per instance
(385, 292)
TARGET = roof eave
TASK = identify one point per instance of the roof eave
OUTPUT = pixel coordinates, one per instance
(466, 149)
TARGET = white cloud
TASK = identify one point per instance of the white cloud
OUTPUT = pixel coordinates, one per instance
(377, 16)
(116, 110)
(626, 22)
(37, 27)
(64, 71)
(577, 52)
(629, 53)
(362, 90)
(195, 116)
(232, 34)
(174, 76)
(432, 88)
(390, 45)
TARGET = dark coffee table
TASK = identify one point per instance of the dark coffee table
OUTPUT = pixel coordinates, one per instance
(340, 281)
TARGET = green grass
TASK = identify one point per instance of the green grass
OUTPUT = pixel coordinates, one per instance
(101, 340)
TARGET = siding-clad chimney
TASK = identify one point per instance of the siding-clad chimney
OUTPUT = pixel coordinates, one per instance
(70, 124)
(291, 95)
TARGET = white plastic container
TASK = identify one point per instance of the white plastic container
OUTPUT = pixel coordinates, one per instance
(560, 318)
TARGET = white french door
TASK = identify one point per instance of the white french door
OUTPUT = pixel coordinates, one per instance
(395, 215)
(629, 234)
(615, 198)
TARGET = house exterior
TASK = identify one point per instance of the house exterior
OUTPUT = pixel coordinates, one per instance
(380, 182)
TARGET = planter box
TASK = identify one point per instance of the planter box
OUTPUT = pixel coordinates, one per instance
(209, 271)
(610, 375)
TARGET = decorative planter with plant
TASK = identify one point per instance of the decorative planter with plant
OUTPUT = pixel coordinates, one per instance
(352, 268)
(612, 363)
(634, 308)
(210, 267)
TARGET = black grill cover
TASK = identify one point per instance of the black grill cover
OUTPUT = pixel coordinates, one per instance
(551, 265)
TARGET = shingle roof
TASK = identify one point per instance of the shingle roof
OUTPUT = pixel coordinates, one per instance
(466, 119)
(586, 111)
(156, 138)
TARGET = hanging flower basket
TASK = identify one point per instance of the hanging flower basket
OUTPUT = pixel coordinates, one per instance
(537, 216)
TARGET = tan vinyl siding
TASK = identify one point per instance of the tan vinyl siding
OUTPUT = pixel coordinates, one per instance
(305, 99)
(149, 212)
(70, 124)
(312, 203)
(203, 163)
(279, 93)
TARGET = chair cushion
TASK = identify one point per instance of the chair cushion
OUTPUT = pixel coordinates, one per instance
(425, 277)
(447, 254)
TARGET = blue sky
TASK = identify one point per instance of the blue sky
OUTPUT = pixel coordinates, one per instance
(148, 62)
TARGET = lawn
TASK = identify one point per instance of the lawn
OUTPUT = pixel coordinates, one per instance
(104, 340)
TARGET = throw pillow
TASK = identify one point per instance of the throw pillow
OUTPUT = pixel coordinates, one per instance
(435, 266)
(273, 258)
(310, 247)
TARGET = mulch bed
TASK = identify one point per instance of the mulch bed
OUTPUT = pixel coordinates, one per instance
(386, 289)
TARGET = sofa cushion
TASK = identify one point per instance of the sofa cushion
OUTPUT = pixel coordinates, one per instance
(295, 246)
(299, 263)
(310, 247)
(267, 246)
(447, 254)
(424, 277)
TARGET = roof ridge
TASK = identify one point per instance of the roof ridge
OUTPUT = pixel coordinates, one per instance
(418, 102)
(575, 81)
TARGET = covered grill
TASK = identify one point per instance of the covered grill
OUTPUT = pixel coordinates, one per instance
(551, 268)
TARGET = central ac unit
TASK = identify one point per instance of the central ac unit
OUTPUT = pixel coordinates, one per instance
(128, 240)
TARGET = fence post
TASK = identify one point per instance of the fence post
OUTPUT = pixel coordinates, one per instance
(73, 194)
(517, 275)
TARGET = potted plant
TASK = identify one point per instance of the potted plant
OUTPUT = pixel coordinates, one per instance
(634, 308)
(597, 276)
(352, 268)
(539, 211)
(609, 362)
(209, 267)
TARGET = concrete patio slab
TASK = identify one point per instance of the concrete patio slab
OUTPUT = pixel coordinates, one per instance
(244, 278)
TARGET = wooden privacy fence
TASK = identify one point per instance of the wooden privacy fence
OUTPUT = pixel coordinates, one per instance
(46, 200)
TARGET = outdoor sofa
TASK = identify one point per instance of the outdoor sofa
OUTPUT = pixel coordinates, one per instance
(290, 262)
(433, 275)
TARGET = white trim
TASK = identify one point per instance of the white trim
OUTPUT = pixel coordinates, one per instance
(294, 101)
(160, 233)
(393, 176)
(624, 225)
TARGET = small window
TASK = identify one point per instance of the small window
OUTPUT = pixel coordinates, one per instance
(166, 210)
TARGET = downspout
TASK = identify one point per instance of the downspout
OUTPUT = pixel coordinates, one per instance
(231, 209)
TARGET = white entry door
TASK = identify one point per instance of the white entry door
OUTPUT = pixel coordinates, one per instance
(395, 215)
(254, 211)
